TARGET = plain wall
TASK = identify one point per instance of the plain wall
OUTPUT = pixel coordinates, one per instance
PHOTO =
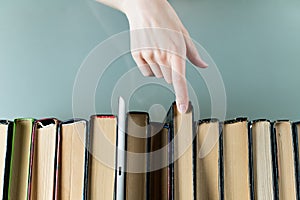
(255, 44)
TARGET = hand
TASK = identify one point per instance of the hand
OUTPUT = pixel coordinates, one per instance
(160, 44)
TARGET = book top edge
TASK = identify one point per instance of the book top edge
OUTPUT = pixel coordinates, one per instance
(74, 120)
(238, 119)
(5, 122)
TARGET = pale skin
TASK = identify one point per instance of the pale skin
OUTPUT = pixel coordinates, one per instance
(160, 43)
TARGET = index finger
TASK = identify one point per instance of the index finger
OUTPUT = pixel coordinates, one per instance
(179, 82)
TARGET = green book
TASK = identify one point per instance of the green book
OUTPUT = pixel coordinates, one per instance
(20, 159)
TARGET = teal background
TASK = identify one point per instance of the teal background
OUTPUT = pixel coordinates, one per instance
(255, 44)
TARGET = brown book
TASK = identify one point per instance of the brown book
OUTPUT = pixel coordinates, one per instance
(5, 155)
(73, 159)
(159, 161)
(44, 157)
(103, 135)
(20, 159)
(207, 160)
(263, 167)
(137, 158)
(236, 160)
(285, 160)
(183, 153)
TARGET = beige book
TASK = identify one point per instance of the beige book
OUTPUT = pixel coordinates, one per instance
(72, 166)
(19, 175)
(207, 160)
(136, 176)
(183, 152)
(159, 177)
(102, 159)
(285, 160)
(44, 159)
(4, 150)
(236, 160)
(262, 160)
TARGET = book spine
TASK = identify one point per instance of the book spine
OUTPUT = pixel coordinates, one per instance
(86, 168)
(250, 157)
(221, 161)
(296, 155)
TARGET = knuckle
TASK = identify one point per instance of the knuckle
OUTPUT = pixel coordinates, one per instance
(148, 54)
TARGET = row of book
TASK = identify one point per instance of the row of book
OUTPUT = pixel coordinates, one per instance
(208, 159)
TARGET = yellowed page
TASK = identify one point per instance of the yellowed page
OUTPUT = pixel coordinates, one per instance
(72, 160)
(208, 161)
(236, 161)
(262, 160)
(183, 148)
(285, 157)
(102, 175)
(44, 162)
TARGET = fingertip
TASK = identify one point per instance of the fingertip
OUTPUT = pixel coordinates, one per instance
(182, 107)
(200, 63)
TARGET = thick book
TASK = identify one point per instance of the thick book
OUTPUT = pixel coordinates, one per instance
(5, 154)
(44, 159)
(160, 163)
(236, 159)
(263, 160)
(73, 171)
(208, 158)
(183, 175)
(137, 132)
(286, 162)
(102, 174)
(20, 159)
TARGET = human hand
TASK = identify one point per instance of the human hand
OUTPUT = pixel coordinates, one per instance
(160, 44)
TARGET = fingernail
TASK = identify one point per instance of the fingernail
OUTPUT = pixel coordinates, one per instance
(182, 108)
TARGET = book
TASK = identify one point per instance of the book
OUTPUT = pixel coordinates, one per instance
(236, 160)
(73, 159)
(286, 168)
(20, 159)
(208, 158)
(137, 158)
(183, 175)
(296, 130)
(160, 148)
(103, 140)
(45, 145)
(6, 128)
(263, 160)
